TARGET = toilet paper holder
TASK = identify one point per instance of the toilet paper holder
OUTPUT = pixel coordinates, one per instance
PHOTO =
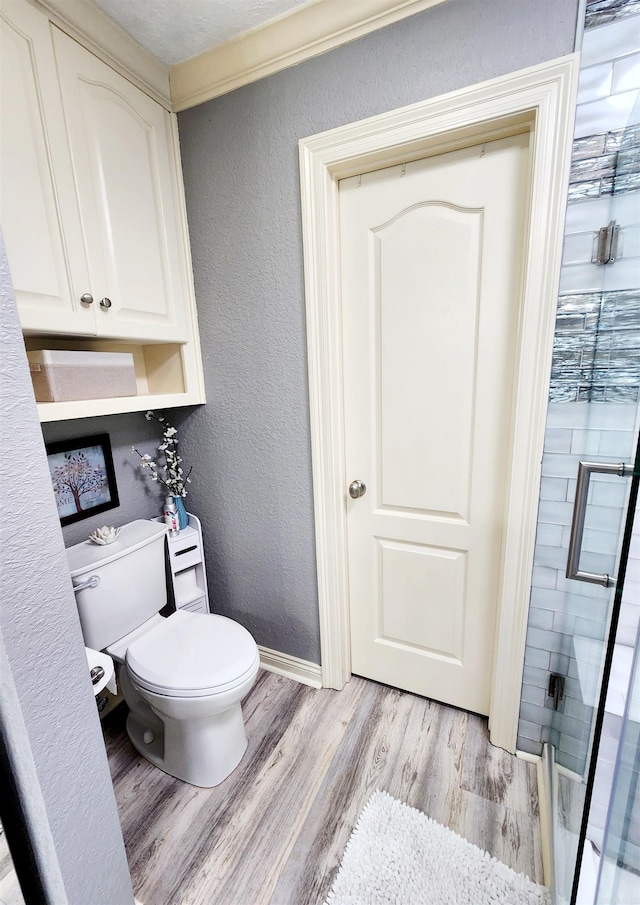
(96, 674)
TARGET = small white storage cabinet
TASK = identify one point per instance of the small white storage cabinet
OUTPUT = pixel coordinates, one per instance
(187, 573)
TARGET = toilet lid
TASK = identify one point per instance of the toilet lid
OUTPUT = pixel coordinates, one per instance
(192, 654)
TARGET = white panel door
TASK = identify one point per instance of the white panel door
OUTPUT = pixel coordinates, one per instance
(431, 282)
(121, 144)
(38, 206)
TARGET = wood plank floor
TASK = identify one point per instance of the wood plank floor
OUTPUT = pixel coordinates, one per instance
(274, 832)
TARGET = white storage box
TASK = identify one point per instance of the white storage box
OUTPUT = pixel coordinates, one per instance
(63, 375)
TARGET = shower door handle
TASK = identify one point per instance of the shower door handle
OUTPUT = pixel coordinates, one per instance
(585, 470)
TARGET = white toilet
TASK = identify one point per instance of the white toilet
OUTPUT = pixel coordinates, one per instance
(184, 675)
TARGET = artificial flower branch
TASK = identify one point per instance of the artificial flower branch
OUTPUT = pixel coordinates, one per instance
(172, 476)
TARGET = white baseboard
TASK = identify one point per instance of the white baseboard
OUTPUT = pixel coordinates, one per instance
(544, 802)
(291, 667)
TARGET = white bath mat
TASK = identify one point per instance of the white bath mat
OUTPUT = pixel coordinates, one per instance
(398, 856)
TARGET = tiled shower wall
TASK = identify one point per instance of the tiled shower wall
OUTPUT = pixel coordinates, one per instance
(595, 384)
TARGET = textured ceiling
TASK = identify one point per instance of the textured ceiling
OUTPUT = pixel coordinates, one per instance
(175, 30)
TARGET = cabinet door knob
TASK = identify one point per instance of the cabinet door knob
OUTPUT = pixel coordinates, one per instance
(86, 298)
(105, 303)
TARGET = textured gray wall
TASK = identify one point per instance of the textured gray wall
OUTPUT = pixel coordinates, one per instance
(44, 648)
(16, 739)
(139, 496)
(250, 444)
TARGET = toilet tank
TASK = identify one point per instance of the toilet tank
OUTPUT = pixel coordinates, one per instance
(131, 587)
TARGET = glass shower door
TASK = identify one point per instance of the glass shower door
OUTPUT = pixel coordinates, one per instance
(589, 690)
(618, 879)
(604, 425)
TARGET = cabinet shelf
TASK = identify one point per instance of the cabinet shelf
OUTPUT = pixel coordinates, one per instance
(87, 408)
(167, 375)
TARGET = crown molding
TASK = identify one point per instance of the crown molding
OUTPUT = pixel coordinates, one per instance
(85, 22)
(306, 32)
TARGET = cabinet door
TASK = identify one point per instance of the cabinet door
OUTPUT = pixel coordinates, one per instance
(125, 171)
(38, 209)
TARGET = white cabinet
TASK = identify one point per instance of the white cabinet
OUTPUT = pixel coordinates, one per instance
(92, 205)
(187, 573)
(90, 202)
(123, 165)
(38, 207)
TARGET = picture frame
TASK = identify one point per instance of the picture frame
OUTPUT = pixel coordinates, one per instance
(83, 477)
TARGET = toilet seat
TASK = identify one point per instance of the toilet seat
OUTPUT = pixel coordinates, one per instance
(193, 655)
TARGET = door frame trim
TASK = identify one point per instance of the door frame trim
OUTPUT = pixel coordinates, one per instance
(540, 99)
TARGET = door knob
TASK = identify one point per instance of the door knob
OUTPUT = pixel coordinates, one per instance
(86, 298)
(105, 303)
(357, 489)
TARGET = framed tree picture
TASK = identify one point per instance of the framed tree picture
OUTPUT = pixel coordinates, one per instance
(83, 477)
